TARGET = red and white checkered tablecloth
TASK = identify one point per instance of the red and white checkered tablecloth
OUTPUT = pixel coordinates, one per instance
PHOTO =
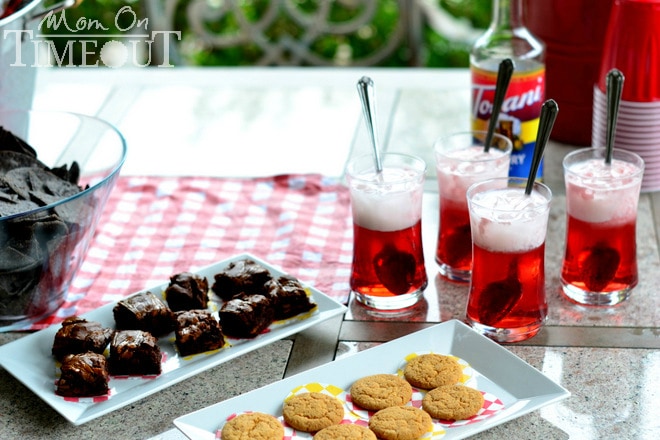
(154, 227)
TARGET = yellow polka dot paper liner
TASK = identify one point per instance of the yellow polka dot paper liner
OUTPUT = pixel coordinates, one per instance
(356, 415)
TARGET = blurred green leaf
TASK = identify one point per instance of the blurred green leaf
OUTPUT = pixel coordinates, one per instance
(439, 50)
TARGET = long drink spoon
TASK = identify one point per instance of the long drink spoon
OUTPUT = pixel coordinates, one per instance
(365, 87)
(614, 82)
(502, 85)
(549, 111)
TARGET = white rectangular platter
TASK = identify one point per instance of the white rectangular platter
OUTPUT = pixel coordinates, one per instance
(520, 387)
(29, 359)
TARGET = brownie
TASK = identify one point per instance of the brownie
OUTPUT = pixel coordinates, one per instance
(246, 317)
(77, 335)
(83, 375)
(241, 277)
(187, 291)
(288, 296)
(144, 311)
(197, 331)
(134, 353)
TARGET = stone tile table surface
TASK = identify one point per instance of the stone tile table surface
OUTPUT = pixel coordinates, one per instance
(309, 121)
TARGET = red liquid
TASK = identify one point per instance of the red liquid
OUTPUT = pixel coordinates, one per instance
(507, 289)
(599, 257)
(454, 238)
(388, 264)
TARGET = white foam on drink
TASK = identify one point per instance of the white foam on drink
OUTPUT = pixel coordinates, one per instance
(506, 220)
(458, 169)
(391, 205)
(598, 193)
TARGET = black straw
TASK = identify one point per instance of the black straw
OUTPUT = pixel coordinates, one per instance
(502, 85)
(549, 111)
(614, 89)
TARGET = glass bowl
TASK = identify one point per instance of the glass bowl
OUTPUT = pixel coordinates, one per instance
(43, 247)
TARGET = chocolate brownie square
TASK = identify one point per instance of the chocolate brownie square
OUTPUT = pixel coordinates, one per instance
(144, 311)
(83, 375)
(242, 277)
(187, 291)
(246, 317)
(288, 296)
(134, 353)
(197, 331)
(77, 335)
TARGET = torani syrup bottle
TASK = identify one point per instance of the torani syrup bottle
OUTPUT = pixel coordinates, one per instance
(507, 37)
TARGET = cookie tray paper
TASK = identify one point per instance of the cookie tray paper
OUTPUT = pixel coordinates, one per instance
(30, 361)
(519, 386)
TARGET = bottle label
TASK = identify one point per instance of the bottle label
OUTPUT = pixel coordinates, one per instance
(519, 116)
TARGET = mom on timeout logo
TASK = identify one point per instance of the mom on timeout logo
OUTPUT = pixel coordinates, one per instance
(129, 43)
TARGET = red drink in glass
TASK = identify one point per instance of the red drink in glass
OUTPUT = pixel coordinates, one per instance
(460, 162)
(388, 263)
(507, 301)
(454, 250)
(600, 259)
(388, 271)
(513, 299)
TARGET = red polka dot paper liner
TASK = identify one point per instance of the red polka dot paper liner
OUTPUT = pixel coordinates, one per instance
(356, 415)
(91, 399)
(112, 390)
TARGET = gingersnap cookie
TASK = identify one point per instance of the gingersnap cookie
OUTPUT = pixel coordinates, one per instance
(428, 371)
(380, 391)
(313, 411)
(453, 402)
(400, 423)
(345, 432)
(253, 426)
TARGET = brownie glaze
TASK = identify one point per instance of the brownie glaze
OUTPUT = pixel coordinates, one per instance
(134, 353)
(197, 331)
(83, 375)
(144, 311)
(77, 335)
(246, 317)
(187, 291)
(242, 277)
(288, 296)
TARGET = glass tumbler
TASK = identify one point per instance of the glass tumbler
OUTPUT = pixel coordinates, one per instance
(388, 271)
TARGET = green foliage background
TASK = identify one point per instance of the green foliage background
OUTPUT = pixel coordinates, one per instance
(439, 50)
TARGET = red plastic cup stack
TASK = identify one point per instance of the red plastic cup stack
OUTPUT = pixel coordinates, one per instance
(632, 45)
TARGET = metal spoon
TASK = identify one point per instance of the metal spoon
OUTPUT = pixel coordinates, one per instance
(365, 87)
(503, 78)
(614, 89)
(549, 111)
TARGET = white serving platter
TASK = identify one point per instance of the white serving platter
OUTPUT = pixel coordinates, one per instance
(518, 386)
(29, 359)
